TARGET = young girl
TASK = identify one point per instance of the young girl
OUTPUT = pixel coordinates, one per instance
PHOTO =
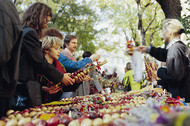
(176, 55)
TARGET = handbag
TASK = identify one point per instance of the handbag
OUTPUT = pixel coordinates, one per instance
(34, 93)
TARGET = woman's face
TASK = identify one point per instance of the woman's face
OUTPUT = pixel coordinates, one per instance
(46, 20)
(166, 35)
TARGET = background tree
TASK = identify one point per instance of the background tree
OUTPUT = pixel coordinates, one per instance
(76, 18)
(133, 17)
(186, 18)
(171, 8)
(108, 24)
(71, 17)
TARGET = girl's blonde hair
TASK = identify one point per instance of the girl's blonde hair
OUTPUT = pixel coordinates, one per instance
(50, 41)
(175, 26)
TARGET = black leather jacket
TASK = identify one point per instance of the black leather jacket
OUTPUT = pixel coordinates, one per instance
(10, 45)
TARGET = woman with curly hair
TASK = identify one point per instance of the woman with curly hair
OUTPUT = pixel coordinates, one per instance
(37, 17)
(32, 61)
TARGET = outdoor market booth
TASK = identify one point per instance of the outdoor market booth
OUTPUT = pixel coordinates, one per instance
(148, 106)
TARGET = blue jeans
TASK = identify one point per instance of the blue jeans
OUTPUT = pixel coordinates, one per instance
(67, 95)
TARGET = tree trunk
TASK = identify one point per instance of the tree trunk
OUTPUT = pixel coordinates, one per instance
(171, 8)
(140, 24)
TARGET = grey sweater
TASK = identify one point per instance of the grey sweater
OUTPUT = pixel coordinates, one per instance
(84, 89)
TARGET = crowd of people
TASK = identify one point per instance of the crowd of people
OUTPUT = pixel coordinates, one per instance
(33, 58)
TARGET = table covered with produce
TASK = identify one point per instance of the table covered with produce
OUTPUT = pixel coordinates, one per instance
(146, 107)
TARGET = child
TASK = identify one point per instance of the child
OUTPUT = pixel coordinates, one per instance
(51, 49)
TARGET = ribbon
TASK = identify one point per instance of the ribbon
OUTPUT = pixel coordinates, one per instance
(98, 62)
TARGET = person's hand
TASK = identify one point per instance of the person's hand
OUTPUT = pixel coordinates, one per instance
(95, 57)
(102, 92)
(141, 49)
(87, 78)
(80, 78)
(51, 90)
(67, 80)
(154, 83)
(45, 88)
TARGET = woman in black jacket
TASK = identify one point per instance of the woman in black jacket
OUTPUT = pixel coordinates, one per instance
(176, 56)
(32, 60)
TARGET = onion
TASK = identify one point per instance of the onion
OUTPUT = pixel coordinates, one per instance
(107, 120)
(29, 124)
(86, 122)
(42, 123)
(24, 121)
(26, 114)
(97, 122)
(107, 116)
(50, 108)
(9, 112)
(12, 122)
(33, 113)
(115, 115)
(108, 110)
(2, 123)
(61, 125)
(74, 123)
(123, 115)
(18, 116)
(35, 121)
(11, 116)
(54, 121)
(44, 108)
(66, 120)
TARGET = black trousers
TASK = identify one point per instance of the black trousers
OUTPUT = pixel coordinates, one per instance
(5, 105)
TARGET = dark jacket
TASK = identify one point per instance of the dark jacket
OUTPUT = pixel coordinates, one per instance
(33, 61)
(10, 45)
(175, 75)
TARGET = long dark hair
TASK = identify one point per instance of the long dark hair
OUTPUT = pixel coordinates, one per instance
(34, 17)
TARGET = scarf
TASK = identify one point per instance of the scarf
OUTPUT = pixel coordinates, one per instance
(59, 66)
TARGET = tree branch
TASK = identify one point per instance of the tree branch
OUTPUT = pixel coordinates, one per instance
(134, 36)
(56, 16)
(126, 37)
(60, 10)
(151, 20)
